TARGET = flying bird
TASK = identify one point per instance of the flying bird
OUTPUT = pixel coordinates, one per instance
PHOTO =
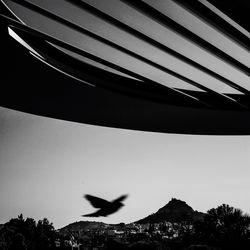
(105, 207)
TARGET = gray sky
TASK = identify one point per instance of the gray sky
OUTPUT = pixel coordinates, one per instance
(47, 165)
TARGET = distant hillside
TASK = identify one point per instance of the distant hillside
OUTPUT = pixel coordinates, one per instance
(175, 211)
(82, 225)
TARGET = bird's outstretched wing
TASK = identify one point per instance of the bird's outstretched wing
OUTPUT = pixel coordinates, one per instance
(121, 198)
(97, 202)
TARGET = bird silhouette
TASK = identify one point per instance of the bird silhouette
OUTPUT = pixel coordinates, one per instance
(105, 207)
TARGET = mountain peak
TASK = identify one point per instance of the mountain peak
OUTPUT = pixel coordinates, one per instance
(177, 206)
(174, 211)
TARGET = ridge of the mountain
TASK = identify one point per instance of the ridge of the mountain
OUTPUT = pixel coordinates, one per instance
(174, 211)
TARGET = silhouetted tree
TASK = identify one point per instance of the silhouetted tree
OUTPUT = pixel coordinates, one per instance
(45, 234)
(20, 234)
(224, 226)
(18, 242)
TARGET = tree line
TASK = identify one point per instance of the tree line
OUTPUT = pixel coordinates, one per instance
(26, 234)
(224, 228)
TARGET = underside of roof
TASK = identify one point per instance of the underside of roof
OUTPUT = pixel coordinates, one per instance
(164, 66)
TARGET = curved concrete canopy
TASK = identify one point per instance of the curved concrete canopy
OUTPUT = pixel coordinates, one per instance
(151, 65)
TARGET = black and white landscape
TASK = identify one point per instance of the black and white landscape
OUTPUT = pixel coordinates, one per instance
(109, 109)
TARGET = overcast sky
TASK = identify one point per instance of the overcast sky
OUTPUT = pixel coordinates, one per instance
(47, 165)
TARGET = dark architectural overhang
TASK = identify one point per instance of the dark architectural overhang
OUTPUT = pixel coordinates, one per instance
(164, 66)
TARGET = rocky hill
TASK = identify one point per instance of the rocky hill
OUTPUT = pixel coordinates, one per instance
(175, 211)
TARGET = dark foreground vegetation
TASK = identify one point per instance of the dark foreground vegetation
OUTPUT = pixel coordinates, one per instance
(222, 228)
